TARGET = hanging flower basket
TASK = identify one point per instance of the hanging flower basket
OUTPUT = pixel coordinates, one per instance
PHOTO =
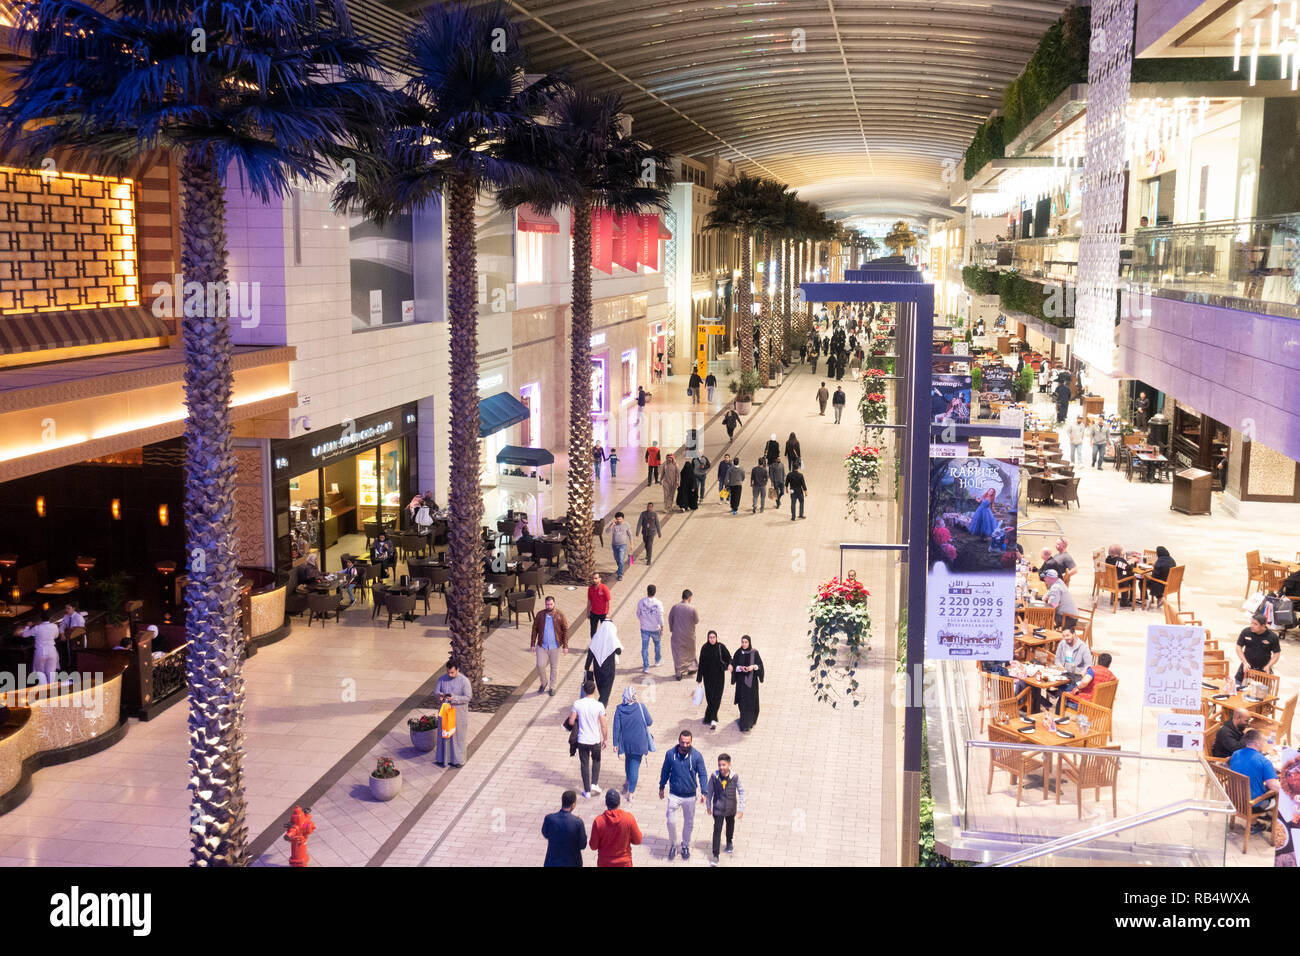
(840, 635)
(863, 467)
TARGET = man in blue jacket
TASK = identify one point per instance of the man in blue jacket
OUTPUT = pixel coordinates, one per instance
(686, 777)
(565, 833)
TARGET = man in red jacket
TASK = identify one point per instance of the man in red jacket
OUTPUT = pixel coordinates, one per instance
(597, 602)
(613, 833)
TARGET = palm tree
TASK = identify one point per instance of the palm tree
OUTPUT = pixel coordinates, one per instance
(593, 166)
(269, 91)
(467, 103)
(739, 207)
(771, 224)
(900, 238)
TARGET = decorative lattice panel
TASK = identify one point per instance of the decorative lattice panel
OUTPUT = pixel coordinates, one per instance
(1110, 63)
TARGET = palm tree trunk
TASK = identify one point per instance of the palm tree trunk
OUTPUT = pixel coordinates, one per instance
(784, 344)
(765, 314)
(744, 304)
(800, 268)
(577, 548)
(218, 829)
(464, 495)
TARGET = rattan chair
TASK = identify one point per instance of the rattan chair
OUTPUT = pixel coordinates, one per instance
(522, 602)
(401, 605)
(1249, 811)
(321, 606)
(1019, 763)
(1067, 491)
(534, 578)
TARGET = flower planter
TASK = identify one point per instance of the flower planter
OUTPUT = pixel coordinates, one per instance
(385, 788)
(744, 408)
(424, 740)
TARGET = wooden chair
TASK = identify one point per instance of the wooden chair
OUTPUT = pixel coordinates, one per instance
(1211, 732)
(1237, 787)
(1003, 698)
(1098, 570)
(1090, 770)
(1281, 724)
(1083, 624)
(1215, 670)
(1099, 717)
(1254, 572)
(1110, 584)
(401, 605)
(321, 606)
(1271, 683)
(1040, 616)
(1215, 654)
(1018, 763)
(1273, 577)
(1174, 585)
(1104, 695)
(1183, 618)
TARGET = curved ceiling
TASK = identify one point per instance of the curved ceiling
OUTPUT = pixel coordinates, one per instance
(863, 106)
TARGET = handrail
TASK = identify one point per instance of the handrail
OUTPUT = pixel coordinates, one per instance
(1107, 829)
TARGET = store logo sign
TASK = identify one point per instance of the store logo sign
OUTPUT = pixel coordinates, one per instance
(281, 463)
(349, 438)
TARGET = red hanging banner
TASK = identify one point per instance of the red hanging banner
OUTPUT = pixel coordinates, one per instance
(649, 254)
(602, 240)
(627, 242)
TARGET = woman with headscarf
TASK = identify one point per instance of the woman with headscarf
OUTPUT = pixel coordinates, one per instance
(688, 490)
(793, 454)
(747, 674)
(1153, 585)
(669, 479)
(632, 738)
(715, 661)
(772, 450)
(600, 658)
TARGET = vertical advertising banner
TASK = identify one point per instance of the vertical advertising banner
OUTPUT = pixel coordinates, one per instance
(1288, 805)
(627, 242)
(602, 240)
(1174, 667)
(971, 588)
(950, 399)
(649, 251)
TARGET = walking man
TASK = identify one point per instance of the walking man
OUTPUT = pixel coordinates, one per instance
(726, 803)
(597, 602)
(650, 616)
(838, 400)
(735, 484)
(1097, 436)
(1074, 434)
(652, 457)
(614, 833)
(685, 776)
(550, 638)
(823, 397)
(776, 475)
(798, 488)
(711, 382)
(620, 539)
(693, 386)
(647, 526)
(701, 475)
(758, 487)
(724, 466)
(730, 421)
(682, 620)
(589, 714)
(565, 834)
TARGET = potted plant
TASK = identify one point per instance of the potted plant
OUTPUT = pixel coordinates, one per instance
(385, 780)
(745, 387)
(840, 634)
(111, 592)
(424, 731)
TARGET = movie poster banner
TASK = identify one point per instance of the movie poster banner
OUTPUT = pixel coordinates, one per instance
(950, 399)
(971, 587)
(1288, 806)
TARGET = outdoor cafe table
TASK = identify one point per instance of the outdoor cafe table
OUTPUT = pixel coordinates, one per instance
(1040, 678)
(1149, 461)
(1027, 641)
(1234, 701)
(1040, 735)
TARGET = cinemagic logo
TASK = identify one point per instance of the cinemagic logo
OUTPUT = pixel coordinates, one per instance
(77, 909)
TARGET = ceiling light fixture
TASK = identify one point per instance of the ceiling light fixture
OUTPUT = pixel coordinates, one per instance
(1236, 50)
(1275, 24)
(1254, 55)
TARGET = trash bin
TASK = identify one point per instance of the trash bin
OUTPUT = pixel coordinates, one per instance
(1158, 430)
(1191, 492)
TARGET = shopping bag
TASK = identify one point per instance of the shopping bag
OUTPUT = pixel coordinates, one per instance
(722, 494)
(697, 695)
(1254, 602)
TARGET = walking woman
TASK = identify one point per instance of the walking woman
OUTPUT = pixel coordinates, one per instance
(793, 454)
(715, 661)
(669, 480)
(632, 739)
(688, 497)
(747, 674)
(600, 658)
(598, 455)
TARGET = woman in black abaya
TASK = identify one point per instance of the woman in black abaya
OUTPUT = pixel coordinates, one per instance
(715, 661)
(747, 674)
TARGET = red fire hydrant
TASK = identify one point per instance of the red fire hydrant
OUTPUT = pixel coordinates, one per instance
(296, 831)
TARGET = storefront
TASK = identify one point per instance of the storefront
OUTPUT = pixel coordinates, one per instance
(330, 487)
(600, 389)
